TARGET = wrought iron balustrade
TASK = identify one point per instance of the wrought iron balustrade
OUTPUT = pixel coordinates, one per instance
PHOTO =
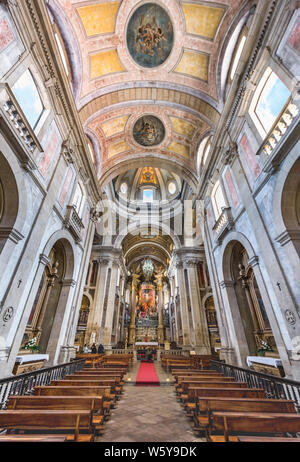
(275, 387)
(24, 384)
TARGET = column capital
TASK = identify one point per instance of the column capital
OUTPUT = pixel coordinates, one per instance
(254, 261)
(226, 284)
(103, 261)
(190, 253)
(44, 260)
(68, 283)
(191, 262)
(12, 234)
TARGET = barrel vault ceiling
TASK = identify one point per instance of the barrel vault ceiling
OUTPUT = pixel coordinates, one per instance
(113, 90)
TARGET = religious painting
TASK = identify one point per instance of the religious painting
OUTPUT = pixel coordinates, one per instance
(50, 151)
(250, 156)
(148, 176)
(150, 35)
(6, 34)
(146, 303)
(149, 131)
(66, 188)
(231, 188)
(294, 39)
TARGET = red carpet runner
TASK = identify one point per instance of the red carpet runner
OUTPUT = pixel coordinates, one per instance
(147, 375)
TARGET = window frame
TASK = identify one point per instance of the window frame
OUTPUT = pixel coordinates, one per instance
(28, 69)
(218, 209)
(256, 99)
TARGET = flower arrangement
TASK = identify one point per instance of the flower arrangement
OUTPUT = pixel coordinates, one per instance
(264, 347)
(32, 345)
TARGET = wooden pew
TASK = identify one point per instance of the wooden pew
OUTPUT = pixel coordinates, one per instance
(94, 404)
(101, 391)
(202, 378)
(208, 405)
(118, 386)
(77, 422)
(266, 439)
(181, 388)
(183, 392)
(33, 438)
(112, 396)
(230, 423)
(195, 392)
(177, 374)
(91, 360)
(99, 371)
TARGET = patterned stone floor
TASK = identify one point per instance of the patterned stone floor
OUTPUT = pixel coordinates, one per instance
(148, 414)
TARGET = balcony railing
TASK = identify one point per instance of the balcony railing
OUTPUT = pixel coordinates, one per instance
(24, 384)
(224, 223)
(281, 128)
(275, 387)
(73, 223)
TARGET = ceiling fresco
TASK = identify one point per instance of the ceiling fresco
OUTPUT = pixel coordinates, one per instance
(132, 59)
(150, 36)
(149, 131)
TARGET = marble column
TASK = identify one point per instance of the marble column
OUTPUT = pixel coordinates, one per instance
(93, 330)
(131, 339)
(109, 305)
(160, 330)
(183, 306)
(201, 334)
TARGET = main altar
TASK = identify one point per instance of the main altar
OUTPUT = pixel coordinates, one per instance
(146, 328)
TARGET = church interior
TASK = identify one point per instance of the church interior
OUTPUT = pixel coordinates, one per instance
(150, 221)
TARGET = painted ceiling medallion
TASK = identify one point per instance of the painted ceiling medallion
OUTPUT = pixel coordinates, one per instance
(149, 131)
(150, 35)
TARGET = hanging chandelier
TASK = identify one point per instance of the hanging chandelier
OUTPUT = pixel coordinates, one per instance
(148, 268)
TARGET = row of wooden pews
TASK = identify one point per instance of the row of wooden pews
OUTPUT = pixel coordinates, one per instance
(94, 360)
(74, 409)
(225, 410)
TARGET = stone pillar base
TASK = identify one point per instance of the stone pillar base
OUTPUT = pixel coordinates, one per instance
(67, 353)
(108, 349)
(202, 350)
(228, 355)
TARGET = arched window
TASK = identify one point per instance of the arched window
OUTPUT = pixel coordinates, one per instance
(27, 94)
(62, 52)
(172, 188)
(203, 152)
(270, 98)
(218, 200)
(124, 189)
(148, 195)
(237, 55)
(91, 151)
(78, 199)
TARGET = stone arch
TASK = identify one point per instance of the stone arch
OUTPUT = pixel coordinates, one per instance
(150, 160)
(58, 309)
(144, 226)
(13, 207)
(286, 203)
(240, 304)
(226, 251)
(69, 249)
